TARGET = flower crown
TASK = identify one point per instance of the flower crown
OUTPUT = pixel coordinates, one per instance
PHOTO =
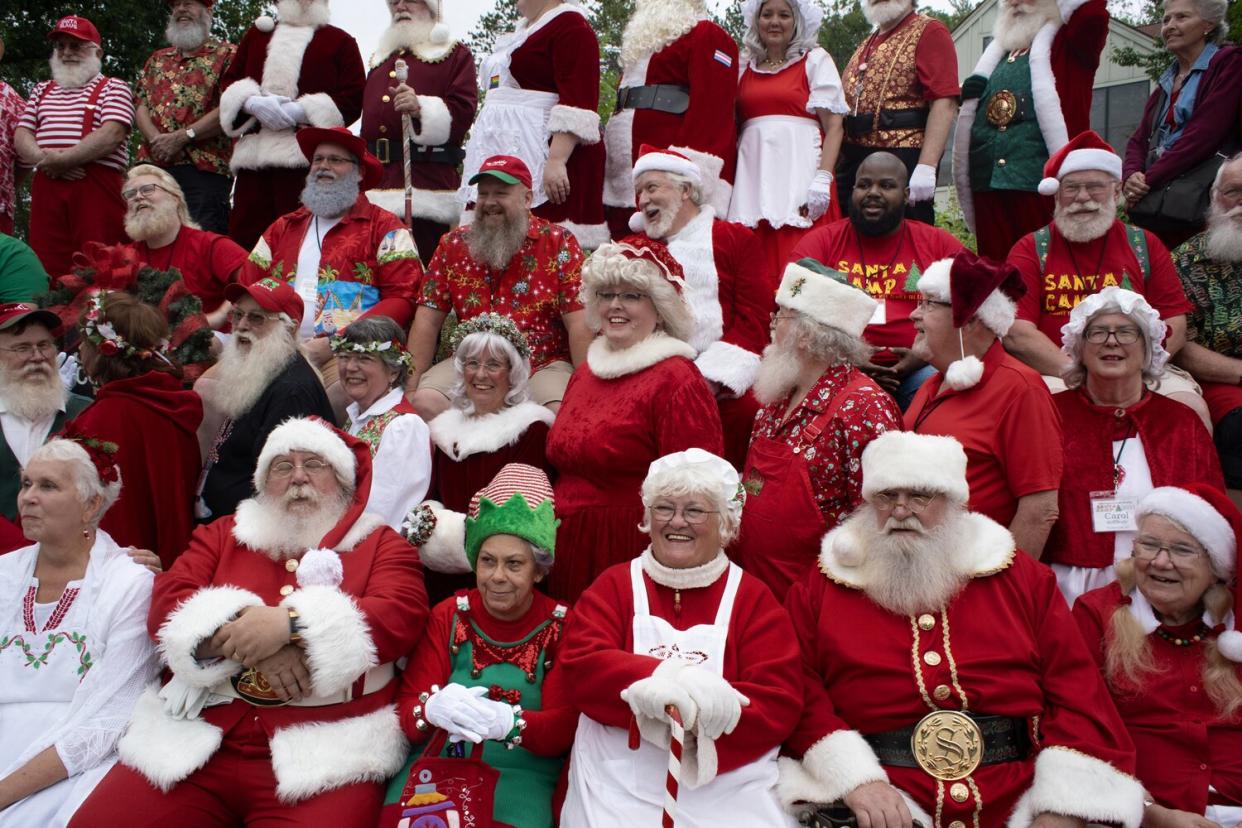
(102, 453)
(391, 347)
(493, 323)
(99, 332)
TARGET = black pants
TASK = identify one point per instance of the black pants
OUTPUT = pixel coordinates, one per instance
(851, 158)
(206, 196)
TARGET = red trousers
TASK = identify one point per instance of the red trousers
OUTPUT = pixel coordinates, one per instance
(65, 215)
(262, 196)
(1004, 216)
(236, 787)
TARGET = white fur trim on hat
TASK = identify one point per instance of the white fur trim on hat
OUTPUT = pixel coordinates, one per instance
(825, 300)
(667, 162)
(1200, 519)
(1081, 161)
(1132, 305)
(304, 434)
(264, 23)
(716, 469)
(905, 460)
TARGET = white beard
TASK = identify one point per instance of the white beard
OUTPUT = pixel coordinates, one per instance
(33, 393)
(779, 371)
(75, 77)
(244, 376)
(414, 35)
(1017, 31)
(188, 35)
(885, 13)
(291, 13)
(655, 24)
(288, 534)
(663, 223)
(908, 573)
(1081, 230)
(155, 221)
(1224, 235)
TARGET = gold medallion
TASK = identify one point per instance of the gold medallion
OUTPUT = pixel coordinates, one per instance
(252, 686)
(947, 744)
(1002, 108)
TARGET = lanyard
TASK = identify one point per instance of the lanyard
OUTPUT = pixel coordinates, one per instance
(1119, 472)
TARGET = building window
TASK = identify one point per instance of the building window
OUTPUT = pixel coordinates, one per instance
(1117, 110)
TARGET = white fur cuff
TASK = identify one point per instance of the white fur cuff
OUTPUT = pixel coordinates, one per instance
(580, 122)
(434, 120)
(312, 758)
(445, 550)
(195, 620)
(335, 635)
(839, 763)
(321, 110)
(731, 366)
(163, 749)
(231, 103)
(797, 791)
(1074, 784)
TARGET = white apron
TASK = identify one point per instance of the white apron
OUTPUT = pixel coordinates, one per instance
(612, 785)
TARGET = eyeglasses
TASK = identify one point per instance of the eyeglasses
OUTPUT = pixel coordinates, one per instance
(1146, 549)
(928, 304)
(145, 191)
(332, 160)
(27, 349)
(627, 298)
(692, 514)
(776, 317)
(285, 468)
(255, 318)
(491, 366)
(1124, 336)
(1094, 190)
(916, 502)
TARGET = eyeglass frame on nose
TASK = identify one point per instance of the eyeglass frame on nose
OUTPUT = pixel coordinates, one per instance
(490, 366)
(257, 319)
(28, 349)
(1179, 553)
(627, 297)
(286, 468)
(1095, 189)
(144, 190)
(915, 502)
(332, 160)
(665, 513)
(1111, 333)
(924, 304)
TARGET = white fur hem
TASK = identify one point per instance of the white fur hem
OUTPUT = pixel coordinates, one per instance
(434, 120)
(231, 102)
(797, 791)
(582, 123)
(460, 436)
(606, 363)
(839, 763)
(195, 620)
(266, 148)
(163, 749)
(321, 110)
(1074, 784)
(731, 366)
(335, 635)
(445, 550)
(439, 206)
(589, 236)
(312, 758)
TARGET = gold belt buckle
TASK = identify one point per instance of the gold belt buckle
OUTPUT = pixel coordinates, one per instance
(947, 744)
(1002, 108)
(252, 686)
(381, 150)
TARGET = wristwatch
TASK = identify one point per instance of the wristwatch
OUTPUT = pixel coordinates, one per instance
(190, 133)
(295, 629)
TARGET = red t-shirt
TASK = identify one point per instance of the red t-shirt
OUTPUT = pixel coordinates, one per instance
(1007, 424)
(882, 267)
(208, 262)
(1074, 272)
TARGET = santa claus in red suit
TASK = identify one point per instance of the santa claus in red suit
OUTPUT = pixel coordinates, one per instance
(724, 282)
(280, 626)
(678, 89)
(298, 72)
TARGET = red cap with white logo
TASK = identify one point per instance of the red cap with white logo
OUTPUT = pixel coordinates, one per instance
(77, 27)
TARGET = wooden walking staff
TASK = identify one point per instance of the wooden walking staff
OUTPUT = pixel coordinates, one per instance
(407, 136)
(673, 780)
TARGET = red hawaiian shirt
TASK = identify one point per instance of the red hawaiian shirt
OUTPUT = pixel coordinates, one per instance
(538, 287)
(11, 107)
(834, 459)
(179, 89)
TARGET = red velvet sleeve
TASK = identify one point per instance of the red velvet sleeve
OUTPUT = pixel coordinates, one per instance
(395, 601)
(1209, 128)
(689, 417)
(1091, 624)
(428, 665)
(351, 79)
(1164, 288)
(193, 569)
(708, 125)
(237, 68)
(936, 63)
(462, 96)
(575, 64)
(1024, 258)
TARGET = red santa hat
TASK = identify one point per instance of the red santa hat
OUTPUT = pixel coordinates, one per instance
(656, 252)
(1210, 516)
(1086, 151)
(664, 159)
(369, 167)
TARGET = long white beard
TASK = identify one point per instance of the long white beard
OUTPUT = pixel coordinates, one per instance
(663, 223)
(495, 243)
(244, 376)
(655, 24)
(286, 533)
(779, 371)
(33, 393)
(75, 77)
(152, 222)
(908, 573)
(885, 13)
(187, 35)
(329, 198)
(1224, 235)
(1015, 30)
(405, 34)
(291, 13)
(1083, 225)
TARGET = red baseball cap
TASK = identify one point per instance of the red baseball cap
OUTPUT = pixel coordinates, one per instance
(508, 168)
(370, 167)
(206, 3)
(76, 27)
(273, 295)
(13, 312)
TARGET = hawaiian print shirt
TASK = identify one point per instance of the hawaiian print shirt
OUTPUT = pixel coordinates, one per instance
(179, 89)
(538, 287)
(12, 105)
(1212, 286)
(834, 459)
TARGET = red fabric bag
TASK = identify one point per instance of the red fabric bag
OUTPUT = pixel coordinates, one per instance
(443, 791)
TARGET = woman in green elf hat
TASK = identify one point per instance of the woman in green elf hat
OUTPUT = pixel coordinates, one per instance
(486, 668)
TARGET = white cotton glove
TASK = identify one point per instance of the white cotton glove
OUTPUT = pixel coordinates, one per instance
(819, 195)
(923, 183)
(502, 718)
(183, 700)
(720, 705)
(649, 696)
(269, 110)
(295, 111)
(454, 709)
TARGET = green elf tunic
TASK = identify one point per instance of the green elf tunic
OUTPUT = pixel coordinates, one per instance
(514, 660)
(1007, 150)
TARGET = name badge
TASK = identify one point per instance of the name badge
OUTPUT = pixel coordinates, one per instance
(1110, 513)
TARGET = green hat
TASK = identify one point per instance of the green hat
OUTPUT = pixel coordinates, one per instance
(504, 508)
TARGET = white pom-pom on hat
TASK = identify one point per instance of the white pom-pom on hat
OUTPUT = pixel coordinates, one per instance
(320, 567)
(637, 222)
(264, 23)
(1230, 645)
(964, 373)
(439, 34)
(1049, 186)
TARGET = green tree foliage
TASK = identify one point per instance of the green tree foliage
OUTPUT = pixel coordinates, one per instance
(502, 18)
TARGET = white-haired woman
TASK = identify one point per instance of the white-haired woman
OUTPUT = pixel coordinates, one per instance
(373, 364)
(74, 650)
(790, 106)
(1121, 439)
(680, 625)
(1169, 648)
(637, 397)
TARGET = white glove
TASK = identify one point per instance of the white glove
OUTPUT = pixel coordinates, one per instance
(649, 696)
(502, 718)
(720, 706)
(295, 111)
(923, 183)
(819, 195)
(269, 110)
(454, 709)
(183, 700)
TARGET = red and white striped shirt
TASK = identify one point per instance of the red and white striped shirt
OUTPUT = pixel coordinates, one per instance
(55, 115)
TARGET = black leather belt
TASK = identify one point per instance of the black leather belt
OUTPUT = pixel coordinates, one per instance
(1005, 739)
(388, 151)
(857, 126)
(662, 97)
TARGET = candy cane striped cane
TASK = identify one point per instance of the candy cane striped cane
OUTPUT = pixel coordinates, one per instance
(407, 135)
(673, 781)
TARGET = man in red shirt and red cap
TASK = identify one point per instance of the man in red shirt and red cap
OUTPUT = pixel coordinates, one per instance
(996, 407)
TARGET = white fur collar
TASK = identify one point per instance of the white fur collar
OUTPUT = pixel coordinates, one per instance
(991, 549)
(696, 577)
(692, 248)
(459, 436)
(251, 530)
(606, 363)
(424, 50)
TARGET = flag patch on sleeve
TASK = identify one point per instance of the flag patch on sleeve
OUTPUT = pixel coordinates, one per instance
(723, 58)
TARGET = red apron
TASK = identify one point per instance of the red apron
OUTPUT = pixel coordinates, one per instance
(781, 522)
